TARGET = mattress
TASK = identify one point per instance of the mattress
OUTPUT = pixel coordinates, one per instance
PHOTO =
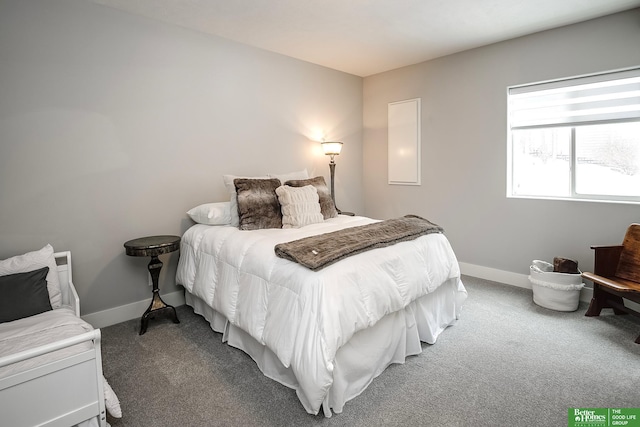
(41, 329)
(303, 317)
(46, 328)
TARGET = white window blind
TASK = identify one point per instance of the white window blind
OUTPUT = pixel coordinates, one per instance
(594, 99)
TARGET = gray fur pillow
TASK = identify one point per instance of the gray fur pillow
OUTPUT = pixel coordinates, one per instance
(258, 205)
(327, 207)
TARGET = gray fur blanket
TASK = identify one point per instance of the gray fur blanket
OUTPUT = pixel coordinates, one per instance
(317, 252)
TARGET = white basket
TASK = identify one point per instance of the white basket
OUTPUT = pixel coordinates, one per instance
(556, 291)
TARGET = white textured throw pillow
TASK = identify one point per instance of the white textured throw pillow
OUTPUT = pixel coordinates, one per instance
(211, 213)
(34, 261)
(300, 206)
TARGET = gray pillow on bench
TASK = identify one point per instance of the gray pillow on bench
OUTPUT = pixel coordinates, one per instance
(24, 295)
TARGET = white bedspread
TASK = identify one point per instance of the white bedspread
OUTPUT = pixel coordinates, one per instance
(41, 329)
(46, 328)
(304, 317)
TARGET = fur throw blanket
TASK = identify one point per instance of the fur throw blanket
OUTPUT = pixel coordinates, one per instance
(317, 252)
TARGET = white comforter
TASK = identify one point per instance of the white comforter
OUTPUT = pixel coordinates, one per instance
(41, 329)
(46, 328)
(304, 317)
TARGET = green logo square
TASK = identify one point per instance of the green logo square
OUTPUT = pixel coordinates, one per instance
(604, 417)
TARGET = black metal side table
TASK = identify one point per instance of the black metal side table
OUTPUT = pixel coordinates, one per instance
(154, 246)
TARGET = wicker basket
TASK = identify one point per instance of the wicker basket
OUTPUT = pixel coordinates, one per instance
(556, 291)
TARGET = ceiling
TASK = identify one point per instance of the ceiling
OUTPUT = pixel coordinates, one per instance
(365, 37)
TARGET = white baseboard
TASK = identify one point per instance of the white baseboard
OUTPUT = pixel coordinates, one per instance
(135, 310)
(126, 312)
(509, 278)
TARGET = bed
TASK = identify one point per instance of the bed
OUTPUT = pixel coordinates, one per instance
(50, 362)
(327, 333)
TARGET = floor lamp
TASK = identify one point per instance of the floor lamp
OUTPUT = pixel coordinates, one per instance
(332, 149)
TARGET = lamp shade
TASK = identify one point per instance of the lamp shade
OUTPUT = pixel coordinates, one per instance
(332, 148)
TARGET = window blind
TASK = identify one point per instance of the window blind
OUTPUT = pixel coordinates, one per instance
(599, 98)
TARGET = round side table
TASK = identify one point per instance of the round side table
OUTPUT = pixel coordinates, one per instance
(154, 246)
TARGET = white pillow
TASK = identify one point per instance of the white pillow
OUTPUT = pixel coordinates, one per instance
(33, 261)
(111, 400)
(211, 213)
(233, 196)
(300, 206)
(284, 177)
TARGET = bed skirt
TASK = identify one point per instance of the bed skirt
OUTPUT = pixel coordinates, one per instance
(391, 340)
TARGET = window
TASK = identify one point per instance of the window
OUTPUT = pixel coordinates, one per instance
(576, 138)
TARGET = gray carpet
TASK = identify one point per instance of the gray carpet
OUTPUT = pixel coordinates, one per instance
(506, 362)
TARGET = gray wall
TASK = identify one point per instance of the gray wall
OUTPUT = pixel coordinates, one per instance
(464, 146)
(112, 126)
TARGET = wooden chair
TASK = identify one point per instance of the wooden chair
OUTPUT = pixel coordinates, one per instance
(616, 275)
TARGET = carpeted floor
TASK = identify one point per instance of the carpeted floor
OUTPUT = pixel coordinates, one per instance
(506, 362)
